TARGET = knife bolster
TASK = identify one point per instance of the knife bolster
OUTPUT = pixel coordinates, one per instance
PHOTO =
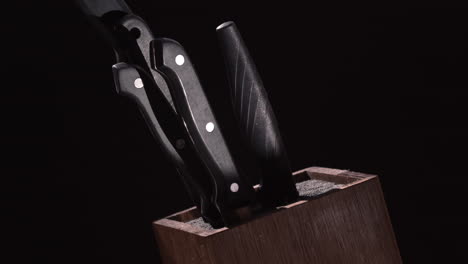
(341, 217)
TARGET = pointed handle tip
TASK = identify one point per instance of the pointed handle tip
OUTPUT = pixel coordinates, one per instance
(225, 25)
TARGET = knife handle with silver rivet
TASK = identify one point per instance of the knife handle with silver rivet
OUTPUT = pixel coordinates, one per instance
(232, 189)
(174, 143)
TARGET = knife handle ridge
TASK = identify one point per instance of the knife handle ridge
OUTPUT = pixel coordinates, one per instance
(256, 120)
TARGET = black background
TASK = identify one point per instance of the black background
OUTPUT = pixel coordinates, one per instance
(374, 91)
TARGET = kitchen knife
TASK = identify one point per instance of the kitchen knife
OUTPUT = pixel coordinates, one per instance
(232, 190)
(256, 120)
(130, 38)
(130, 83)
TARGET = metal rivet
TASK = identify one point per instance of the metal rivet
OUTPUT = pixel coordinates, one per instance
(234, 187)
(180, 144)
(210, 127)
(180, 60)
(138, 83)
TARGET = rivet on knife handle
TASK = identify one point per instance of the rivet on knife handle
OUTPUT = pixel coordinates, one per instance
(257, 122)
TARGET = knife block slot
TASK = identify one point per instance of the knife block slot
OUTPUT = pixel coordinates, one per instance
(185, 216)
(329, 175)
(188, 216)
(340, 218)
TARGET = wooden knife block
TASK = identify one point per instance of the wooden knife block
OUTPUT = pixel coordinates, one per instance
(346, 225)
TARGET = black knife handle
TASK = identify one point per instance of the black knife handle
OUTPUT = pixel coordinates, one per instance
(232, 190)
(129, 82)
(256, 119)
(174, 143)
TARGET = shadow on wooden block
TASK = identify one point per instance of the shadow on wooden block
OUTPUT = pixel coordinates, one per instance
(348, 223)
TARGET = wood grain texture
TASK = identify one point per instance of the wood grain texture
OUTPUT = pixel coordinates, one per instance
(349, 225)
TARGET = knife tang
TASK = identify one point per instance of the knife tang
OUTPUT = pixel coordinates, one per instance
(231, 189)
(256, 120)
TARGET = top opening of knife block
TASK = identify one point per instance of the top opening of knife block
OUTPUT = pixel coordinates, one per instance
(312, 183)
(344, 220)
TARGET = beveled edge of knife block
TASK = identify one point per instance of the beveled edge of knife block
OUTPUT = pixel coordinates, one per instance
(345, 178)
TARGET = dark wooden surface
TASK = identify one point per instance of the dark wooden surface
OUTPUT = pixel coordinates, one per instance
(350, 225)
